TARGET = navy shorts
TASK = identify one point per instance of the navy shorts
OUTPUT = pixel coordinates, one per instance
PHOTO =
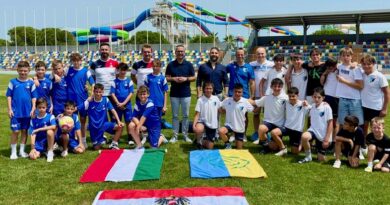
(238, 136)
(97, 134)
(368, 114)
(271, 127)
(319, 147)
(210, 133)
(154, 133)
(295, 137)
(41, 143)
(333, 103)
(126, 113)
(72, 143)
(20, 123)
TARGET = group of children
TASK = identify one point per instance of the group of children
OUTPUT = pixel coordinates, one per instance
(352, 97)
(35, 106)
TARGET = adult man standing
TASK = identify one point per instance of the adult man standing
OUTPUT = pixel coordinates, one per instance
(242, 73)
(104, 69)
(143, 67)
(260, 67)
(214, 72)
(180, 73)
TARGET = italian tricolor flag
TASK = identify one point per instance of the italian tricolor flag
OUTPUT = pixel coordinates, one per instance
(184, 196)
(125, 165)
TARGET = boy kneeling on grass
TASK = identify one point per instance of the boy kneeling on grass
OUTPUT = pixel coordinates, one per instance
(378, 146)
(70, 138)
(42, 132)
(96, 107)
(348, 141)
(146, 113)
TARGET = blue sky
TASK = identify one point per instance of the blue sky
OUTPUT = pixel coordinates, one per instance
(12, 13)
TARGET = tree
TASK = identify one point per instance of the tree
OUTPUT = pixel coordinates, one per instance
(328, 32)
(229, 40)
(147, 37)
(204, 39)
(2, 42)
(21, 39)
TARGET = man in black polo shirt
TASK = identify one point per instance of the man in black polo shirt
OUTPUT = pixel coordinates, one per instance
(180, 73)
(214, 72)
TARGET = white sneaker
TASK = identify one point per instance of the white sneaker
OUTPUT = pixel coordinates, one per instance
(376, 161)
(244, 140)
(64, 153)
(164, 139)
(364, 151)
(13, 156)
(187, 139)
(173, 140)
(23, 154)
(256, 141)
(361, 156)
(144, 138)
(131, 142)
(85, 144)
(281, 152)
(50, 156)
(55, 146)
(231, 139)
(337, 164)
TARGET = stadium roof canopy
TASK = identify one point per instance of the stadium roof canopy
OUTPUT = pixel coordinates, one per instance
(321, 18)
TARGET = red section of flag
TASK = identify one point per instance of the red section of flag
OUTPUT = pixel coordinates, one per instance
(161, 193)
(99, 169)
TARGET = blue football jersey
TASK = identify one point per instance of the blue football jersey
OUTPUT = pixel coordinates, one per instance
(97, 111)
(21, 92)
(157, 85)
(148, 110)
(76, 81)
(122, 88)
(45, 121)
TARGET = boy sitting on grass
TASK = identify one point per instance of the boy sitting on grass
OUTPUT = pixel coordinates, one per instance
(378, 146)
(348, 141)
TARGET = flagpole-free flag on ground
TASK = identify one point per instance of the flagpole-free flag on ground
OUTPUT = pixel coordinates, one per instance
(125, 165)
(224, 163)
(184, 196)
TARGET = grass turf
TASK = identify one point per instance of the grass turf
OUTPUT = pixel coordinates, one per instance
(37, 182)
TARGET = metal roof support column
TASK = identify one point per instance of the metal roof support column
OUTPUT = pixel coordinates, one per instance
(358, 28)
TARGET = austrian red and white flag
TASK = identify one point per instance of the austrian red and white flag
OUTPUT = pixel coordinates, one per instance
(182, 196)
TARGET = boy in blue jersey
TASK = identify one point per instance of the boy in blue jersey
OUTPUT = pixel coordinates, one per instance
(42, 129)
(158, 87)
(72, 138)
(21, 97)
(59, 93)
(43, 84)
(146, 116)
(76, 78)
(121, 92)
(96, 108)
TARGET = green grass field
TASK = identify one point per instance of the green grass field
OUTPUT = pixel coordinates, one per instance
(37, 182)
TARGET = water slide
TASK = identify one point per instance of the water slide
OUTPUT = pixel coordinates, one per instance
(204, 29)
(119, 31)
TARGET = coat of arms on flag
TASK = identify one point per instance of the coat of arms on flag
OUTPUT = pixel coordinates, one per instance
(125, 165)
(182, 196)
(224, 163)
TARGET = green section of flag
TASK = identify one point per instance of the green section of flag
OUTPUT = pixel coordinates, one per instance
(150, 165)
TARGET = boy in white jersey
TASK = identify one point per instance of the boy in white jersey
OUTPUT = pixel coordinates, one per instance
(321, 127)
(206, 117)
(350, 82)
(375, 93)
(299, 76)
(274, 117)
(329, 81)
(235, 107)
(278, 71)
(296, 111)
